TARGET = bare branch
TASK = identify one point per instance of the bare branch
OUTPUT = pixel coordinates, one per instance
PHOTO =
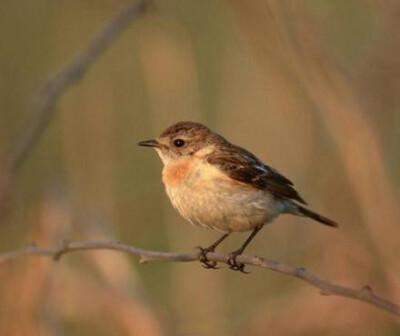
(364, 293)
(45, 100)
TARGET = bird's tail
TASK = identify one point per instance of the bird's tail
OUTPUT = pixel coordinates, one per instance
(301, 211)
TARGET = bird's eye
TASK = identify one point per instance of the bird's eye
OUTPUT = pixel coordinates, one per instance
(179, 142)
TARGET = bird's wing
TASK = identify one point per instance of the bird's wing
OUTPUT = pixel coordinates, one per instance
(241, 165)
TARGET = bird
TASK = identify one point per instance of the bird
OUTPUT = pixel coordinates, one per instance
(218, 185)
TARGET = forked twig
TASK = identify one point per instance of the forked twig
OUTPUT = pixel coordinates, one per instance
(365, 293)
(43, 105)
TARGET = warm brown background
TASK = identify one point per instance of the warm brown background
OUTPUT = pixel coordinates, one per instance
(311, 87)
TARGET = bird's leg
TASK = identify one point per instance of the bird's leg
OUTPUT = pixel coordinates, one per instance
(203, 253)
(233, 265)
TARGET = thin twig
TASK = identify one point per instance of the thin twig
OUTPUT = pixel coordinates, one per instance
(365, 293)
(46, 98)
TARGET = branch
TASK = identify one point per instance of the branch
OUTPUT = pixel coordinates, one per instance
(43, 105)
(364, 294)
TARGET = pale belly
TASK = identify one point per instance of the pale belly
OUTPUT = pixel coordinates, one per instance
(208, 198)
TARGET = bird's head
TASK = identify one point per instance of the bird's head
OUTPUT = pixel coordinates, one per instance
(185, 138)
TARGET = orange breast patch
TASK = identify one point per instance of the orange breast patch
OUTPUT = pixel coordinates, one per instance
(176, 173)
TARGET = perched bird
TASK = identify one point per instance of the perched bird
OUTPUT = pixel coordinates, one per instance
(218, 185)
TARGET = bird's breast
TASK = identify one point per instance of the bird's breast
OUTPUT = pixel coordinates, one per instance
(175, 174)
(206, 196)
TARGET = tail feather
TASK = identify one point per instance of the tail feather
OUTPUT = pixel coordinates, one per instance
(317, 217)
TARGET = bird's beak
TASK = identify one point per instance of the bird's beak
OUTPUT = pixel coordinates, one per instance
(149, 143)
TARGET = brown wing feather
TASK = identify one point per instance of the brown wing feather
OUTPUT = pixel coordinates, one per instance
(243, 166)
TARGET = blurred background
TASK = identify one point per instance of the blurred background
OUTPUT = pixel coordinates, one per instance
(310, 87)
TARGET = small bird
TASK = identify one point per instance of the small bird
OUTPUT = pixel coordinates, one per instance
(216, 184)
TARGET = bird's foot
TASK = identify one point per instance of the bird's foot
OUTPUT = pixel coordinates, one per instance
(233, 264)
(205, 262)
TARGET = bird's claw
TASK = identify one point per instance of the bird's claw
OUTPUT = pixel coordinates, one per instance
(208, 264)
(205, 262)
(234, 265)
